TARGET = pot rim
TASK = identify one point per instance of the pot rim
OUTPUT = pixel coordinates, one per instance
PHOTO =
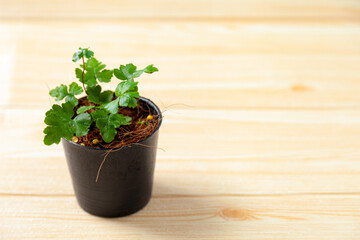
(152, 105)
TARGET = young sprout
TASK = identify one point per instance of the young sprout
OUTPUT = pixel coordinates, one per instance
(64, 122)
(143, 122)
(149, 117)
(82, 144)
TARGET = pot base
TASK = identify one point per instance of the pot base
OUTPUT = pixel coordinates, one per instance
(122, 213)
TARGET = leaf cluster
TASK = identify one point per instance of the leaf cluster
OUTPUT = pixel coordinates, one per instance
(61, 119)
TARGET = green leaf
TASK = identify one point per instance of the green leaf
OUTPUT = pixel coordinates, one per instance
(129, 72)
(75, 89)
(113, 106)
(107, 123)
(72, 99)
(125, 72)
(128, 100)
(88, 53)
(127, 93)
(77, 56)
(59, 92)
(89, 80)
(106, 96)
(96, 96)
(94, 93)
(83, 52)
(80, 124)
(58, 120)
(125, 87)
(105, 75)
(61, 125)
(99, 113)
(84, 109)
(94, 71)
(78, 73)
(150, 69)
(94, 65)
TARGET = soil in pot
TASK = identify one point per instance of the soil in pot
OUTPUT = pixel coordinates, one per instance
(142, 125)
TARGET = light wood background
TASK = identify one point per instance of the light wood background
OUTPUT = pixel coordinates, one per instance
(262, 128)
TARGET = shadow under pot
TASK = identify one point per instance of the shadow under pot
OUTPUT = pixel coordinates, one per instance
(126, 178)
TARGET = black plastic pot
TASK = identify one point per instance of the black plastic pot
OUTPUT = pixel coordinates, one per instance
(126, 178)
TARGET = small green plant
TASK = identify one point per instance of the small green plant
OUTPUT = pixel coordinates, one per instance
(62, 120)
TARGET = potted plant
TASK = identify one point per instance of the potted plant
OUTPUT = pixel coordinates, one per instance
(117, 126)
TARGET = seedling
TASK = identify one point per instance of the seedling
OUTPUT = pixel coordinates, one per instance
(103, 113)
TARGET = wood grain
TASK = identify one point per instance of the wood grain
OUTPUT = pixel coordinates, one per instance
(279, 217)
(207, 65)
(109, 9)
(225, 152)
(262, 116)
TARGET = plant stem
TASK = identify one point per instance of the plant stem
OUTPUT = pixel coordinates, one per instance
(82, 76)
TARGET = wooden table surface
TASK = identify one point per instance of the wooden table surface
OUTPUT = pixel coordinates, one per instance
(262, 124)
